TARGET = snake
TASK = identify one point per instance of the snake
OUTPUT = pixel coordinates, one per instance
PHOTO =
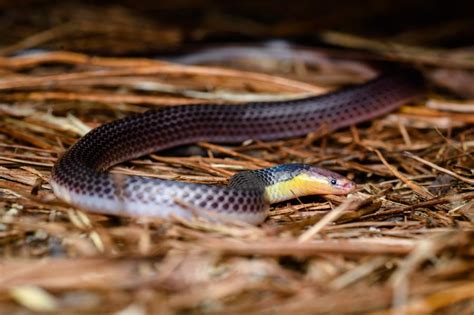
(80, 177)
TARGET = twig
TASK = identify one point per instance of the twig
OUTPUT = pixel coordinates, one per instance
(439, 168)
(330, 217)
(418, 189)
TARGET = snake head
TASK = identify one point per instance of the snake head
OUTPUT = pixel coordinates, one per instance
(320, 181)
(294, 180)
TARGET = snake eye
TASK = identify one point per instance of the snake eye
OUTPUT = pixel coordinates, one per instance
(333, 181)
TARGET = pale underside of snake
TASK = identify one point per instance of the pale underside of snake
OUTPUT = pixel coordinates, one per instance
(79, 177)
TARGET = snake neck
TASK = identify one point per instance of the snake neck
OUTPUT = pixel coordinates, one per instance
(248, 180)
(277, 183)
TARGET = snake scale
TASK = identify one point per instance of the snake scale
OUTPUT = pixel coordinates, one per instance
(80, 178)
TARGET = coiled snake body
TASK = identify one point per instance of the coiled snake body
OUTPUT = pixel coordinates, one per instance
(79, 176)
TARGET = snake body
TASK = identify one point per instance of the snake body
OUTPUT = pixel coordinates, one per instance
(79, 177)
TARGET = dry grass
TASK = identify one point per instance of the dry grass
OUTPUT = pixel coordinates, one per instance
(403, 242)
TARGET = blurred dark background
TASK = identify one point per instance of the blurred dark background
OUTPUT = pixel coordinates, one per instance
(148, 27)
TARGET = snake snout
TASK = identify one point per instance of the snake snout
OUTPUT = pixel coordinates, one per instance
(342, 186)
(349, 186)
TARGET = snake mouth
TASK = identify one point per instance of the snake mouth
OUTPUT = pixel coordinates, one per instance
(349, 187)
